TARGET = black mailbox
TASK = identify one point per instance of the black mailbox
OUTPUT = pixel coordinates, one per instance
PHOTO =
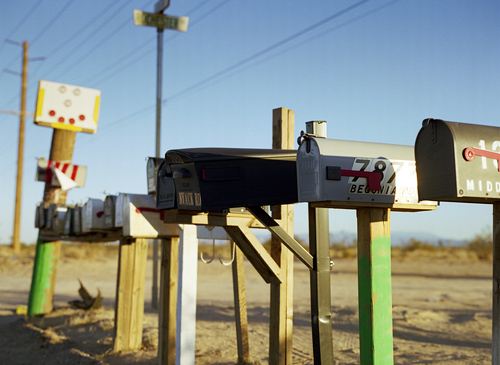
(458, 162)
(216, 179)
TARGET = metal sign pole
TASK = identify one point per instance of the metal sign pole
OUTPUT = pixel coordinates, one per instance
(159, 67)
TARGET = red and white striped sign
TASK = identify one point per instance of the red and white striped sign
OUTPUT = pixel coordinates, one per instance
(63, 174)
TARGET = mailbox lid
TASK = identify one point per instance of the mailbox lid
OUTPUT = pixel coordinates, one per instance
(443, 171)
(324, 167)
(216, 179)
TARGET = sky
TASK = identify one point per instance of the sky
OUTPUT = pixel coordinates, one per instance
(373, 69)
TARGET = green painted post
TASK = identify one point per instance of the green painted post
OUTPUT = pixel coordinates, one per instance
(43, 279)
(374, 286)
(46, 262)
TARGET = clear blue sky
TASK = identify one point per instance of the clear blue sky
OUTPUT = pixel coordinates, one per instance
(373, 69)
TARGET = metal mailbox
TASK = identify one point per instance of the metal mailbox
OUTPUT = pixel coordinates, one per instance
(40, 216)
(77, 219)
(141, 219)
(216, 179)
(152, 171)
(68, 222)
(458, 161)
(58, 218)
(110, 211)
(93, 216)
(353, 174)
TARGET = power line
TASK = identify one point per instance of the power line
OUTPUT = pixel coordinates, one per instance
(256, 55)
(268, 49)
(52, 21)
(24, 19)
(307, 40)
(152, 49)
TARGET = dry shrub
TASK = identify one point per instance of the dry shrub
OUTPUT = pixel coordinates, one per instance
(481, 245)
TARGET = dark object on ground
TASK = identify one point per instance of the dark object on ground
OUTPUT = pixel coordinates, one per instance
(88, 301)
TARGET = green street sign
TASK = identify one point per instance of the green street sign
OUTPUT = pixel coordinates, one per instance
(161, 21)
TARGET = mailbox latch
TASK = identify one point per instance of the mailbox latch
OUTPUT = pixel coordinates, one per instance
(373, 177)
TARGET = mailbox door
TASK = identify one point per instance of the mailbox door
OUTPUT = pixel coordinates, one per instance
(109, 211)
(68, 222)
(447, 172)
(152, 172)
(165, 192)
(77, 219)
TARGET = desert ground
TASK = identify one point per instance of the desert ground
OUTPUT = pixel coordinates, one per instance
(441, 311)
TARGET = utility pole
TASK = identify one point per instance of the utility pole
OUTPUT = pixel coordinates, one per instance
(16, 243)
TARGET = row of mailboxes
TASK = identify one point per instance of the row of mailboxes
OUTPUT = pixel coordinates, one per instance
(322, 170)
(134, 215)
(458, 162)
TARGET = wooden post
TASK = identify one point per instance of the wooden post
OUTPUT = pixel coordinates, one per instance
(240, 307)
(129, 306)
(495, 358)
(186, 297)
(374, 286)
(47, 253)
(16, 242)
(281, 313)
(168, 301)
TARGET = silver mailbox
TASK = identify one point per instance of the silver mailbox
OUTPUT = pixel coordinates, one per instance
(458, 161)
(352, 174)
(59, 218)
(152, 171)
(110, 211)
(93, 216)
(40, 216)
(68, 222)
(77, 219)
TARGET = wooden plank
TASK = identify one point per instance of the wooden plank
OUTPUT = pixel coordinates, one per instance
(374, 286)
(211, 219)
(281, 311)
(495, 358)
(255, 253)
(397, 207)
(186, 298)
(168, 300)
(130, 294)
(284, 236)
(240, 306)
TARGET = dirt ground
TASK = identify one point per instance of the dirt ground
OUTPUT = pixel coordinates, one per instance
(441, 313)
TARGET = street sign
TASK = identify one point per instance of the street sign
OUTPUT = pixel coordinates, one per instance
(161, 20)
(62, 174)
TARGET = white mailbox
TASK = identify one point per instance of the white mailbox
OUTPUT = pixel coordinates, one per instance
(338, 173)
(140, 218)
(110, 211)
(93, 216)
